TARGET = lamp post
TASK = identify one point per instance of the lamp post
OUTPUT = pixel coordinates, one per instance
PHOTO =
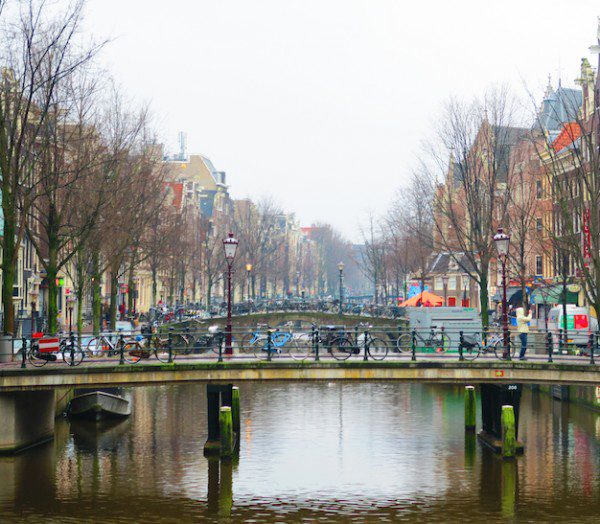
(502, 241)
(248, 269)
(34, 296)
(230, 246)
(341, 268)
(445, 283)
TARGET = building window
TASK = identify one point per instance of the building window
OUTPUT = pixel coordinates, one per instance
(538, 224)
(539, 265)
(538, 189)
(452, 283)
(438, 284)
(576, 222)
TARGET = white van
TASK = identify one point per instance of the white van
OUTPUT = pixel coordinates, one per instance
(579, 324)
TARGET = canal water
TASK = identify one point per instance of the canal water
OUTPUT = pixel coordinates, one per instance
(310, 452)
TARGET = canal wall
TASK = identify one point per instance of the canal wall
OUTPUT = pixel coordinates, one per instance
(588, 396)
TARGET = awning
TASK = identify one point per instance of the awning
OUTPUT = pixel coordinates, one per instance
(552, 295)
(425, 298)
(509, 294)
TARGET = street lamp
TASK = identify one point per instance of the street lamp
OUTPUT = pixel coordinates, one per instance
(445, 283)
(248, 269)
(502, 241)
(341, 268)
(230, 245)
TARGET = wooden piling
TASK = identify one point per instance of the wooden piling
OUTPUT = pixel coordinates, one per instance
(509, 437)
(235, 412)
(470, 408)
(226, 432)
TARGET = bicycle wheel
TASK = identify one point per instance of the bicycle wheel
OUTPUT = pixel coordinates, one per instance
(35, 358)
(404, 343)
(378, 348)
(93, 348)
(301, 346)
(471, 351)
(341, 348)
(161, 349)
(440, 342)
(72, 357)
(500, 351)
(261, 351)
(247, 344)
(181, 345)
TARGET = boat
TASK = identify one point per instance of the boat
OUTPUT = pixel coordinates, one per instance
(100, 404)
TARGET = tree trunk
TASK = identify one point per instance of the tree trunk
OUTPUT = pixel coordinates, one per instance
(96, 304)
(154, 285)
(8, 265)
(79, 294)
(114, 288)
(484, 295)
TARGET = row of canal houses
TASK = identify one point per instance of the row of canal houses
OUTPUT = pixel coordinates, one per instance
(546, 177)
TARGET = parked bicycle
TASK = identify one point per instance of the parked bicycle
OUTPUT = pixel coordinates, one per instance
(273, 342)
(110, 345)
(377, 348)
(474, 345)
(435, 340)
(331, 339)
(42, 351)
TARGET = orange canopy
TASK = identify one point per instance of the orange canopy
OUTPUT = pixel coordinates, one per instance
(424, 299)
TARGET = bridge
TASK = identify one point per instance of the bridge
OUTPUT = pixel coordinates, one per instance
(28, 396)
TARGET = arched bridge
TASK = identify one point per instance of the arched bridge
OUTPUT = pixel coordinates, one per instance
(434, 369)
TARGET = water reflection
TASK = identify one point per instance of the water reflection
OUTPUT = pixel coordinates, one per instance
(314, 451)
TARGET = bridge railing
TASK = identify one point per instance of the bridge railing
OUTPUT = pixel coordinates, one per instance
(301, 341)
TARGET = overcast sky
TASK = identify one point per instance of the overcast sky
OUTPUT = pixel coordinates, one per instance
(323, 103)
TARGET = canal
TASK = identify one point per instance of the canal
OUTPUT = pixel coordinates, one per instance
(363, 452)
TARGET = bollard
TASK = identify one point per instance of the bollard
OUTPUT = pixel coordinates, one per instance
(509, 438)
(366, 334)
(269, 345)
(413, 345)
(470, 408)
(72, 352)
(121, 350)
(460, 346)
(316, 343)
(592, 348)
(170, 345)
(226, 431)
(549, 345)
(23, 353)
(235, 412)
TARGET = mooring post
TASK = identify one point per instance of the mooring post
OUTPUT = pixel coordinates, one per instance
(235, 411)
(470, 408)
(509, 437)
(226, 431)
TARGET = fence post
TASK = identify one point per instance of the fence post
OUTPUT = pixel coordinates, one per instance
(592, 348)
(269, 345)
(170, 345)
(366, 334)
(121, 350)
(549, 345)
(508, 349)
(560, 339)
(72, 352)
(316, 343)
(460, 346)
(220, 342)
(24, 353)
(413, 345)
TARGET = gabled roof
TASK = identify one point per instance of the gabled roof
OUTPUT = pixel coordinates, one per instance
(442, 263)
(570, 132)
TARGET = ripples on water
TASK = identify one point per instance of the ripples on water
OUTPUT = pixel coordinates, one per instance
(313, 452)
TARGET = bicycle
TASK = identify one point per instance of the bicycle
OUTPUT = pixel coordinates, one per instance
(281, 343)
(131, 348)
(39, 356)
(332, 339)
(473, 346)
(377, 348)
(437, 341)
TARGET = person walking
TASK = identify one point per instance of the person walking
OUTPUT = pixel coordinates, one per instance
(523, 329)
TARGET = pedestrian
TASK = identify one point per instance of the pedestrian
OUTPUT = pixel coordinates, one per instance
(523, 329)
